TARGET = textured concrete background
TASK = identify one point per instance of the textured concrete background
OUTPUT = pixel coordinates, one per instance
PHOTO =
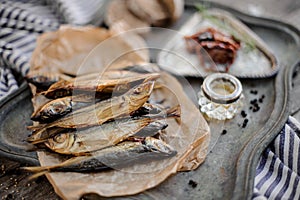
(284, 10)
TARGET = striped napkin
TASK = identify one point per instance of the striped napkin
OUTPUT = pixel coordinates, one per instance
(21, 21)
(277, 173)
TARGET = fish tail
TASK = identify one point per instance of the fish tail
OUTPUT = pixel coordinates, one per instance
(38, 171)
(38, 174)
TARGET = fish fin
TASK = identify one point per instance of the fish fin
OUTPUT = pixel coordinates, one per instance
(151, 77)
(158, 85)
(178, 120)
(174, 112)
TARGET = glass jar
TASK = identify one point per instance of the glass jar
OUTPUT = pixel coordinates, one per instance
(220, 96)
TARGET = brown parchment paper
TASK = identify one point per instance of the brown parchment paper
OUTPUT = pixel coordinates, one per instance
(189, 136)
(64, 50)
(68, 50)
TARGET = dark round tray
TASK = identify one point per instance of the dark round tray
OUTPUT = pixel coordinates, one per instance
(229, 169)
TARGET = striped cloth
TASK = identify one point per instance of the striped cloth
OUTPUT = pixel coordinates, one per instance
(277, 174)
(21, 21)
(8, 84)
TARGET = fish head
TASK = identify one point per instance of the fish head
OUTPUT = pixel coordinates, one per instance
(56, 108)
(59, 107)
(141, 93)
(159, 146)
(61, 142)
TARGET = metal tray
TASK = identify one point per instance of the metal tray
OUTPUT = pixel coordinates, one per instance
(229, 169)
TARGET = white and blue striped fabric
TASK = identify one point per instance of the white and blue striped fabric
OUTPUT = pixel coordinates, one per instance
(277, 174)
(21, 21)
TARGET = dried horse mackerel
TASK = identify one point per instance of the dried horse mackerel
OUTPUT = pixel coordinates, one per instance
(59, 107)
(146, 111)
(111, 133)
(98, 113)
(136, 150)
(43, 80)
(65, 88)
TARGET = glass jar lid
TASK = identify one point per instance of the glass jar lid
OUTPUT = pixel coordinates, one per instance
(222, 88)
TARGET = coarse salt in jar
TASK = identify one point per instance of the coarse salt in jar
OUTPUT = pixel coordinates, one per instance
(220, 96)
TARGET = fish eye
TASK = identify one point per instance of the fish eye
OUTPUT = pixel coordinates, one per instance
(55, 109)
(60, 138)
(138, 90)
